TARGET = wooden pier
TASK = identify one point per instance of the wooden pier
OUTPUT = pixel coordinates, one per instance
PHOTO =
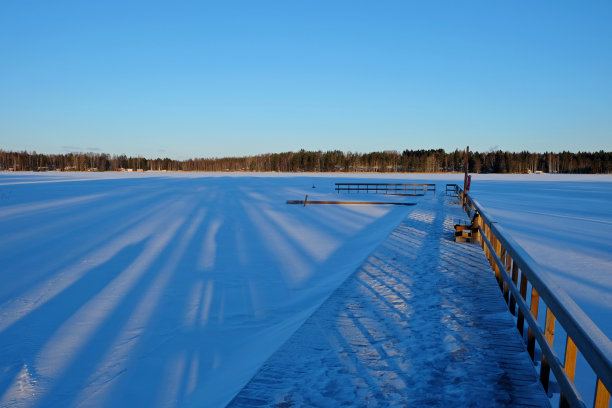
(421, 323)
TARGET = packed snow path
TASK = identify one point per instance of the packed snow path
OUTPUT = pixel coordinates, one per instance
(420, 323)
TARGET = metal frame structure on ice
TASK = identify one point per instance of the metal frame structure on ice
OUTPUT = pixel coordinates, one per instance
(383, 187)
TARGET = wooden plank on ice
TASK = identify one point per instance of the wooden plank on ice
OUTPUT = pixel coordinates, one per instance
(347, 202)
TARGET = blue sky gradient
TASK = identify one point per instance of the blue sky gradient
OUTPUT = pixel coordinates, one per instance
(209, 79)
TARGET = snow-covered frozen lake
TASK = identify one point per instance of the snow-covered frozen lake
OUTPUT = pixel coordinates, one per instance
(565, 224)
(161, 289)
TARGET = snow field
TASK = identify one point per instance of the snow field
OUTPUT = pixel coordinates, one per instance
(165, 289)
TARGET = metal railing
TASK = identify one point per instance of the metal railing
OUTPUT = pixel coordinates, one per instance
(514, 270)
(387, 188)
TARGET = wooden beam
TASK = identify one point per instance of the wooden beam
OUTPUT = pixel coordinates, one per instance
(346, 202)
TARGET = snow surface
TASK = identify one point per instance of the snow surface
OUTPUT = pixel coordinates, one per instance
(157, 289)
(421, 323)
(566, 226)
(163, 289)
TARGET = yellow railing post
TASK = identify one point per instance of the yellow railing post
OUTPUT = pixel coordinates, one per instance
(602, 396)
(486, 247)
(571, 352)
(535, 302)
(481, 225)
(498, 273)
(549, 333)
(515, 270)
(507, 260)
(520, 322)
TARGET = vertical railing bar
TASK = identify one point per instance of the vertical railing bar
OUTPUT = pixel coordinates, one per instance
(569, 366)
(491, 237)
(521, 319)
(506, 260)
(549, 328)
(497, 247)
(515, 280)
(488, 235)
(549, 333)
(602, 396)
(571, 352)
(481, 225)
(535, 301)
(485, 247)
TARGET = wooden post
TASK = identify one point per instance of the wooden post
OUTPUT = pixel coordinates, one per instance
(474, 226)
(491, 258)
(535, 302)
(505, 258)
(500, 275)
(482, 226)
(498, 272)
(520, 322)
(498, 250)
(489, 248)
(549, 328)
(485, 247)
(571, 351)
(508, 262)
(549, 333)
(602, 396)
(515, 280)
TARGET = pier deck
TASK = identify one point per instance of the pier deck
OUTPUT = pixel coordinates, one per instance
(421, 323)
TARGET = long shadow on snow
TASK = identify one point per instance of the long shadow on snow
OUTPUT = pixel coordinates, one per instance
(88, 356)
(198, 350)
(67, 302)
(27, 336)
(165, 342)
(93, 230)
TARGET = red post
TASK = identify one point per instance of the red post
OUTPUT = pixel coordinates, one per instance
(466, 184)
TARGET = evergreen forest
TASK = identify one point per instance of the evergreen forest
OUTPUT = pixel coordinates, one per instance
(427, 161)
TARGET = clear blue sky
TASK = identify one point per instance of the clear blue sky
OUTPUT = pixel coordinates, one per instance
(202, 79)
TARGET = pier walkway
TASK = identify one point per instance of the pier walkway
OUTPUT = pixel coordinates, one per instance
(421, 323)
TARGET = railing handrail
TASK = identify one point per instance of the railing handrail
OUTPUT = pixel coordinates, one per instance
(594, 345)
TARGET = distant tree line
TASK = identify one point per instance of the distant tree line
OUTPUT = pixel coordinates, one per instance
(429, 161)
